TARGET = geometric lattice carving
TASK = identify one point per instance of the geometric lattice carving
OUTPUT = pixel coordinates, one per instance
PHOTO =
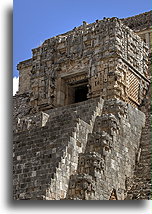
(133, 87)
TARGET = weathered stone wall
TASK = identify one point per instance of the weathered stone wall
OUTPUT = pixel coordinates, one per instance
(139, 22)
(140, 187)
(63, 150)
(21, 107)
(24, 76)
(45, 157)
(109, 57)
(110, 155)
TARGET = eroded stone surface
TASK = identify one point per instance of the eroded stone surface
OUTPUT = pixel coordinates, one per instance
(79, 118)
(110, 154)
(107, 58)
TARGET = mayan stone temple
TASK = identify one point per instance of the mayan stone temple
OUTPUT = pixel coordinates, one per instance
(81, 118)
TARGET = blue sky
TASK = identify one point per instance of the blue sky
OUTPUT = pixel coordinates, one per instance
(37, 20)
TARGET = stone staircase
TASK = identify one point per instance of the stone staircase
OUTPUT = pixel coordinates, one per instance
(110, 153)
(45, 156)
(140, 187)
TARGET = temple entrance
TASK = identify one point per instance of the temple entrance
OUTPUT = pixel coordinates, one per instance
(77, 93)
(72, 89)
(81, 93)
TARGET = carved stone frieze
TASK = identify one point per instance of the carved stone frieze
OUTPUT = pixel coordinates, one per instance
(114, 62)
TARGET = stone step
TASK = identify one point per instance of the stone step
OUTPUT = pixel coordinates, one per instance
(81, 110)
(52, 146)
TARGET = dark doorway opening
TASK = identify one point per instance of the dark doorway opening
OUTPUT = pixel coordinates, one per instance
(81, 93)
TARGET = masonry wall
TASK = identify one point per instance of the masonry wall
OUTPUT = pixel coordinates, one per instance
(140, 187)
(138, 22)
(46, 164)
(109, 159)
(75, 151)
(24, 76)
(21, 107)
(44, 156)
(141, 25)
(107, 54)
